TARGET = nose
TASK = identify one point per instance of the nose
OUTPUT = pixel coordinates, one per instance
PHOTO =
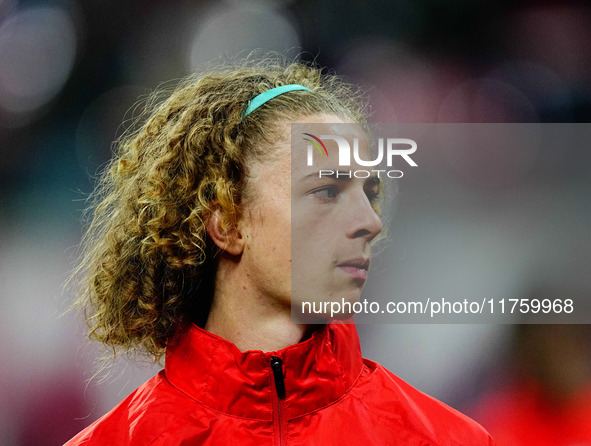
(364, 221)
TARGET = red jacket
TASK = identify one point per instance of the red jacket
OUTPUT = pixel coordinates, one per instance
(317, 392)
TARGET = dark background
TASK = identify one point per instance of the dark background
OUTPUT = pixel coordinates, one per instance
(71, 72)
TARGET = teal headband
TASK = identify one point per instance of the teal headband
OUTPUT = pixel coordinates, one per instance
(266, 96)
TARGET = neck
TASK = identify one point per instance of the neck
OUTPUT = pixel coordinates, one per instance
(251, 321)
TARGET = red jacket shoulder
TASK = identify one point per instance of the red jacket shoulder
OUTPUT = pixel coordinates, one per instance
(140, 418)
(421, 413)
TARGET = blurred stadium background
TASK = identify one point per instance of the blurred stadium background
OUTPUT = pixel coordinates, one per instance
(71, 72)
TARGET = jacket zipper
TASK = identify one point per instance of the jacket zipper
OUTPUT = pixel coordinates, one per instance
(280, 420)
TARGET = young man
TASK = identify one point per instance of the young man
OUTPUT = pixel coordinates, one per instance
(190, 256)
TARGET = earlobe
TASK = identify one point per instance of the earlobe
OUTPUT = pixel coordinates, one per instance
(226, 237)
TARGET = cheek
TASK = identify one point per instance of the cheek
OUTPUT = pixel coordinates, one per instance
(315, 227)
(271, 233)
(313, 248)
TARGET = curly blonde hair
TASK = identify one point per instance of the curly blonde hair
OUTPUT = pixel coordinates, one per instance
(147, 265)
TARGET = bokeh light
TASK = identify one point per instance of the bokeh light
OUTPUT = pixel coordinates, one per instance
(38, 50)
(229, 30)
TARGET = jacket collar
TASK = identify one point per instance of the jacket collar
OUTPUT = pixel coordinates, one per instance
(215, 373)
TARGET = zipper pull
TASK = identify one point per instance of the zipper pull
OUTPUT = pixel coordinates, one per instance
(277, 367)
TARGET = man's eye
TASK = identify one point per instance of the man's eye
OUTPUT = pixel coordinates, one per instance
(372, 196)
(326, 194)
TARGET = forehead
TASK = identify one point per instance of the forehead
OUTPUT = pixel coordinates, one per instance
(314, 143)
(275, 177)
(289, 154)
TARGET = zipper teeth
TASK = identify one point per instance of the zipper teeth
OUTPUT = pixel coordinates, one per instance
(280, 420)
(277, 368)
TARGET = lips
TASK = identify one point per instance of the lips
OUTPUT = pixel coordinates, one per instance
(357, 268)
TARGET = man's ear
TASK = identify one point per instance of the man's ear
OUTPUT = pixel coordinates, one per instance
(226, 236)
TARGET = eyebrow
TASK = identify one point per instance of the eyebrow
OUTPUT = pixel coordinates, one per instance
(343, 175)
